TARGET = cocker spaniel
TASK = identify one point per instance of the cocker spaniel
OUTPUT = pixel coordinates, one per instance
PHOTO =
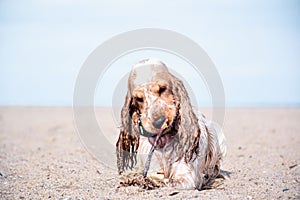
(157, 118)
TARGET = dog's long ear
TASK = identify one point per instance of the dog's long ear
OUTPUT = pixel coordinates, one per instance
(128, 142)
(187, 122)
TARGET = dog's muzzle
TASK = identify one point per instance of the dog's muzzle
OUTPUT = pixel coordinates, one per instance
(159, 123)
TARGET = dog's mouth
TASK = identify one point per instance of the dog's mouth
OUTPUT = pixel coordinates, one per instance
(164, 135)
(148, 134)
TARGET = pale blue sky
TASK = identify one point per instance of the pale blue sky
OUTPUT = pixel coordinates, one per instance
(254, 44)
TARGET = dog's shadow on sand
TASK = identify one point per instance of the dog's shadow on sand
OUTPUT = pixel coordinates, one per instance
(224, 174)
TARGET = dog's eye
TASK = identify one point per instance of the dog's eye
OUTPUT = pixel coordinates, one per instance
(162, 89)
(139, 99)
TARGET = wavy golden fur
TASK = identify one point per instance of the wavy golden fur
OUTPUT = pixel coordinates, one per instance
(189, 152)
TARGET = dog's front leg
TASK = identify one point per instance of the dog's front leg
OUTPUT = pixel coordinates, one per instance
(183, 176)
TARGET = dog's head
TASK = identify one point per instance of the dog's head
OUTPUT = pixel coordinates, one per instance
(153, 103)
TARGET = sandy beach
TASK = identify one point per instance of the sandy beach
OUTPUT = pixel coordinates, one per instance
(42, 157)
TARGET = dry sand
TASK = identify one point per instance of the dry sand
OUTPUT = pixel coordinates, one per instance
(42, 157)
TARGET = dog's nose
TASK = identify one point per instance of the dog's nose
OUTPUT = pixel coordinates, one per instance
(159, 122)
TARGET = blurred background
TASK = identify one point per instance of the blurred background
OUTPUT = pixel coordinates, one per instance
(255, 46)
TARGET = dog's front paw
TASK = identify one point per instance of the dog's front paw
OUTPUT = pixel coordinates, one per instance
(182, 182)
